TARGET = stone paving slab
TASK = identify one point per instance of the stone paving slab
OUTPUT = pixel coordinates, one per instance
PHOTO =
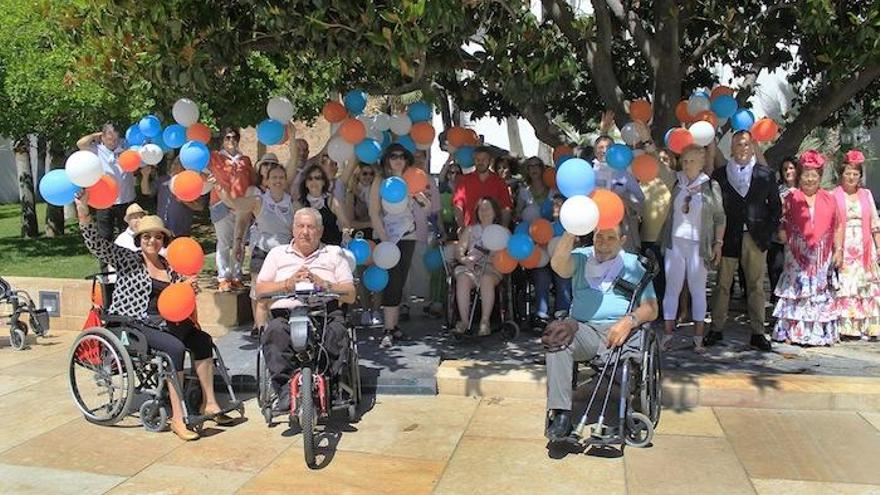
(29, 480)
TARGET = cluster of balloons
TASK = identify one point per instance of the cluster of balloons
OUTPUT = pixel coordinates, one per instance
(178, 301)
(587, 208)
(379, 258)
(461, 143)
(274, 129)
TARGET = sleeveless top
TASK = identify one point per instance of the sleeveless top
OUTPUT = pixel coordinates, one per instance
(400, 226)
(332, 233)
(157, 287)
(273, 226)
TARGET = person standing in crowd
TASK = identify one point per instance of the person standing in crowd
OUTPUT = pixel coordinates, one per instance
(449, 177)
(776, 252)
(418, 281)
(692, 237)
(813, 239)
(233, 173)
(532, 193)
(314, 192)
(507, 167)
(357, 209)
(133, 215)
(177, 215)
(753, 210)
(624, 185)
(481, 183)
(858, 295)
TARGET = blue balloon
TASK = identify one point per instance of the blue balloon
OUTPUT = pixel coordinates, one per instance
(575, 177)
(558, 229)
(547, 209)
(56, 188)
(150, 126)
(375, 278)
(194, 155)
(520, 246)
(666, 137)
(368, 151)
(724, 106)
(702, 93)
(464, 156)
(742, 120)
(387, 139)
(361, 250)
(134, 135)
(420, 112)
(407, 142)
(562, 159)
(522, 228)
(433, 259)
(174, 135)
(619, 156)
(355, 101)
(393, 189)
(160, 142)
(270, 132)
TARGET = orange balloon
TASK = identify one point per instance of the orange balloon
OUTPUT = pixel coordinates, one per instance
(416, 180)
(473, 138)
(353, 130)
(456, 136)
(764, 130)
(185, 255)
(541, 231)
(640, 110)
(679, 139)
(681, 112)
(503, 261)
(645, 168)
(720, 90)
(422, 133)
(550, 177)
(129, 160)
(562, 150)
(198, 132)
(334, 112)
(177, 302)
(709, 116)
(103, 194)
(610, 208)
(187, 185)
(533, 260)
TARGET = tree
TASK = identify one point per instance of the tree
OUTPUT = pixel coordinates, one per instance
(25, 189)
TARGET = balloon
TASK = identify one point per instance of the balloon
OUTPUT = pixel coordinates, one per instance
(645, 168)
(368, 151)
(422, 133)
(420, 112)
(503, 262)
(681, 111)
(194, 155)
(339, 150)
(541, 231)
(394, 208)
(523, 227)
(579, 215)
(133, 135)
(103, 193)
(547, 209)
(375, 278)
(551, 246)
(416, 180)
(151, 154)
(433, 259)
(562, 159)
(383, 122)
(724, 106)
(400, 124)
(279, 108)
(619, 156)
(707, 116)
(361, 250)
(465, 156)
(520, 246)
(174, 135)
(702, 132)
(558, 229)
(640, 110)
(530, 213)
(742, 120)
(562, 150)
(448, 214)
(271, 132)
(198, 132)
(610, 208)
(575, 177)
(630, 134)
(495, 237)
(764, 130)
(185, 255)
(187, 185)
(353, 130)
(83, 168)
(679, 139)
(457, 136)
(550, 177)
(724, 144)
(185, 112)
(719, 91)
(56, 188)
(334, 112)
(129, 160)
(393, 189)
(697, 103)
(407, 142)
(386, 255)
(355, 101)
(150, 126)
(532, 260)
(177, 302)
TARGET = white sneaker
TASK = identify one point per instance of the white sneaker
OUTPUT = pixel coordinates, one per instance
(376, 319)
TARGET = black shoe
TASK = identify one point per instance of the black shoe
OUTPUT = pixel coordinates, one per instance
(539, 323)
(560, 426)
(712, 337)
(760, 342)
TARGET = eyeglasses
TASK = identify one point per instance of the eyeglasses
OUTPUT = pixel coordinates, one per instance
(368, 173)
(392, 156)
(316, 177)
(231, 137)
(158, 236)
(686, 207)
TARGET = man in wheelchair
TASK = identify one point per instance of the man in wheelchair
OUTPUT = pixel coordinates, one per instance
(599, 319)
(305, 259)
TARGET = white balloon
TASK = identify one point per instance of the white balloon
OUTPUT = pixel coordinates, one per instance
(551, 246)
(185, 112)
(83, 168)
(545, 258)
(151, 154)
(724, 144)
(703, 133)
(531, 213)
(697, 104)
(386, 255)
(349, 257)
(395, 207)
(579, 215)
(280, 108)
(340, 150)
(630, 133)
(375, 134)
(495, 237)
(400, 124)
(383, 122)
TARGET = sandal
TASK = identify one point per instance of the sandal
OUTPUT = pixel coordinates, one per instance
(484, 330)
(387, 341)
(699, 348)
(460, 328)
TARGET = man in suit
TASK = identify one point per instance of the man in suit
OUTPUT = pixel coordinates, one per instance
(753, 209)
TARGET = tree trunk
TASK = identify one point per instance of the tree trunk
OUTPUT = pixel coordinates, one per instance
(445, 109)
(26, 189)
(516, 147)
(54, 214)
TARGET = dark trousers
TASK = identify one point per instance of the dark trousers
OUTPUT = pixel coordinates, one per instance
(278, 350)
(393, 292)
(110, 222)
(775, 265)
(178, 337)
(660, 280)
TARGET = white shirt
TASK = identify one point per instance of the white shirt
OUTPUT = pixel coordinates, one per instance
(282, 262)
(110, 164)
(687, 225)
(126, 240)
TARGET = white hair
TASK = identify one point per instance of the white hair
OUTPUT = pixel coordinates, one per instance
(319, 220)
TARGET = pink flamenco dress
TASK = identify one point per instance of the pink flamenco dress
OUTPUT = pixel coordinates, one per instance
(805, 309)
(858, 295)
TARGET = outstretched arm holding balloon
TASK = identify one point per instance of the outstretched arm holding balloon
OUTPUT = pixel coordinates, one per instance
(86, 142)
(562, 261)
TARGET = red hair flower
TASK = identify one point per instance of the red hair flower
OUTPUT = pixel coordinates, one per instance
(811, 159)
(854, 157)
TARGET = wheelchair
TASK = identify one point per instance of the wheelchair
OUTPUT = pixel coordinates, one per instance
(22, 303)
(315, 391)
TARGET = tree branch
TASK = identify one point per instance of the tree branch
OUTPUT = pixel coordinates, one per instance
(644, 40)
(704, 47)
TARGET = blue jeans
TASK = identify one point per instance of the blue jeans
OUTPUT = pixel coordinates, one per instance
(542, 277)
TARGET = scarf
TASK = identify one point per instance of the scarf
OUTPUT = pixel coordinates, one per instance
(235, 159)
(601, 274)
(817, 229)
(740, 176)
(279, 208)
(866, 199)
(316, 202)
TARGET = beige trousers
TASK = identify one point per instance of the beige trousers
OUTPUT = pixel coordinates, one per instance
(754, 262)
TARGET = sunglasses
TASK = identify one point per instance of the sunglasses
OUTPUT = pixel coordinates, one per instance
(396, 155)
(686, 207)
(158, 236)
(316, 177)
(230, 138)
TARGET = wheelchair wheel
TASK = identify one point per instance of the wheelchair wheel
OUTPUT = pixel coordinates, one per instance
(154, 416)
(354, 379)
(639, 430)
(308, 416)
(650, 393)
(101, 376)
(509, 330)
(18, 336)
(264, 387)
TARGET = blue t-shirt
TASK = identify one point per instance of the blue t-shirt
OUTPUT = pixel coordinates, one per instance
(593, 306)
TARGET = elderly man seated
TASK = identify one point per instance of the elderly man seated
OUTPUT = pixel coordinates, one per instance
(305, 259)
(599, 318)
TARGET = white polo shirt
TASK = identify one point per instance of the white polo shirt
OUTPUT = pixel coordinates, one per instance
(327, 262)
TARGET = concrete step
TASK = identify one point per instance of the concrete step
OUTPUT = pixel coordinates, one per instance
(680, 390)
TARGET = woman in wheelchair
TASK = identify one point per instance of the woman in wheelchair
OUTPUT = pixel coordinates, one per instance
(141, 277)
(475, 268)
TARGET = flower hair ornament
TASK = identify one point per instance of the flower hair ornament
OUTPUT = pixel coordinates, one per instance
(811, 159)
(853, 157)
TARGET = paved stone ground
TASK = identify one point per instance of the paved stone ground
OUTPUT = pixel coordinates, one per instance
(418, 444)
